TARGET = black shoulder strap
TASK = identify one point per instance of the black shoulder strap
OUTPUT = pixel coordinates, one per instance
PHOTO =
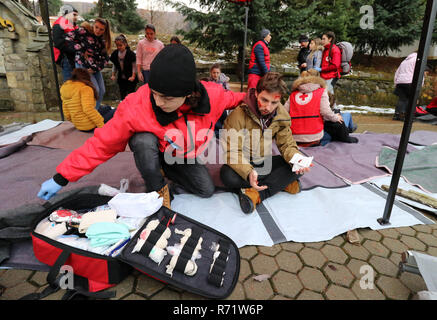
(81, 284)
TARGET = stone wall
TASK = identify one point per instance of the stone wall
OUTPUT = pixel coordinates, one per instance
(25, 62)
(6, 102)
(363, 90)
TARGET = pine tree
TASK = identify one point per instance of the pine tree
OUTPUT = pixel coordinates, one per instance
(396, 23)
(333, 15)
(122, 14)
(221, 27)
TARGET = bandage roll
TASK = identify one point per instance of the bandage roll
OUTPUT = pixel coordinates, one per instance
(183, 265)
(157, 254)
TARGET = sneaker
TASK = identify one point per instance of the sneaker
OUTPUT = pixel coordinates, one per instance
(165, 194)
(248, 198)
(294, 187)
(352, 140)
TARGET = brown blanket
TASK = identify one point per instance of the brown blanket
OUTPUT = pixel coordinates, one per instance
(64, 136)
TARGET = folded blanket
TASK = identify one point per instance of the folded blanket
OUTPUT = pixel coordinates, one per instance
(419, 167)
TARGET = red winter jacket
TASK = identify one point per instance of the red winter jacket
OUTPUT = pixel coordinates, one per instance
(189, 129)
(60, 27)
(331, 65)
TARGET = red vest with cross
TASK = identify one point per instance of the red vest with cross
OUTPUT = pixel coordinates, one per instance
(305, 112)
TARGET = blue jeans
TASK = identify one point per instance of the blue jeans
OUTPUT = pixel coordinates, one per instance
(330, 83)
(66, 69)
(99, 84)
(347, 118)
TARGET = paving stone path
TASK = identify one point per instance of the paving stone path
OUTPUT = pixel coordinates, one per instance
(328, 270)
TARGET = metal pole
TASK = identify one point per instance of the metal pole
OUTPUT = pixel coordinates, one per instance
(246, 8)
(422, 55)
(45, 7)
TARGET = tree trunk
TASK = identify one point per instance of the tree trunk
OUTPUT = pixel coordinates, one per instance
(239, 60)
(43, 11)
(100, 8)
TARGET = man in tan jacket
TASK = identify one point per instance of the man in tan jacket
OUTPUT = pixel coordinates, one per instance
(250, 168)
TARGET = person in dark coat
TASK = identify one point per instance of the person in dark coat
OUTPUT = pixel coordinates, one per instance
(303, 53)
(124, 60)
(64, 55)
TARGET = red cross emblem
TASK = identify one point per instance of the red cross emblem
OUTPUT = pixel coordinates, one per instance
(303, 98)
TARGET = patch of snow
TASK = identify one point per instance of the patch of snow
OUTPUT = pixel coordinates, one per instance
(291, 66)
(200, 61)
(365, 109)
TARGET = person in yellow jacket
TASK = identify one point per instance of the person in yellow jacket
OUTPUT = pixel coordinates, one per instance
(251, 170)
(78, 97)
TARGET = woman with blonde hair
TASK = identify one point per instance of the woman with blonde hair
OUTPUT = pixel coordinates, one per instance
(93, 45)
(314, 58)
(78, 97)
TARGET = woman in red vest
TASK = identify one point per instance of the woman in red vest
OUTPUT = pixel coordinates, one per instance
(167, 124)
(64, 55)
(331, 61)
(308, 106)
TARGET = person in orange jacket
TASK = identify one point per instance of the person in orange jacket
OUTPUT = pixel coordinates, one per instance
(167, 124)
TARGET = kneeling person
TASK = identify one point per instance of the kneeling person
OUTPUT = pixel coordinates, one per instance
(167, 124)
(251, 170)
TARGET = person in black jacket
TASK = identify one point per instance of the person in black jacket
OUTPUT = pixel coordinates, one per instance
(124, 60)
(303, 53)
(64, 54)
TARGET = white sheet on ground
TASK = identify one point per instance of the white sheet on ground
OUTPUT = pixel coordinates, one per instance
(407, 187)
(319, 214)
(222, 212)
(427, 266)
(28, 130)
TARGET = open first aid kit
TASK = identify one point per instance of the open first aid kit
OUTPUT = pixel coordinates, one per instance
(101, 238)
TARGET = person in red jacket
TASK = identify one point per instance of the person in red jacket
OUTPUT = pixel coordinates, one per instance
(167, 123)
(64, 55)
(331, 61)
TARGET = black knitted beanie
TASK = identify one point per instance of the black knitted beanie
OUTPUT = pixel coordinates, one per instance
(173, 71)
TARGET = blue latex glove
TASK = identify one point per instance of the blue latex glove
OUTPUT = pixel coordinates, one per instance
(48, 189)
